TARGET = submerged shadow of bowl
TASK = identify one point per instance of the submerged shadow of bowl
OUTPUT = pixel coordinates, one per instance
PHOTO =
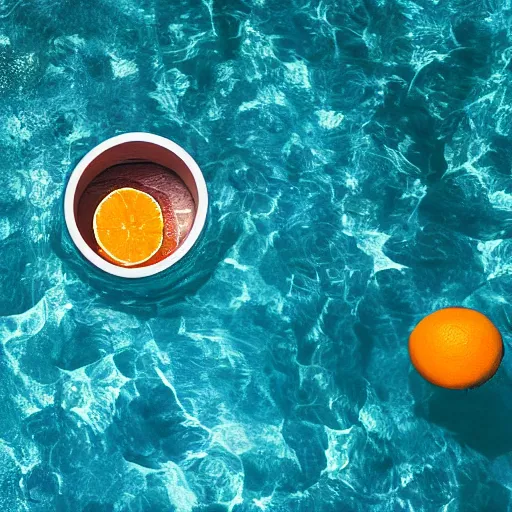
(132, 148)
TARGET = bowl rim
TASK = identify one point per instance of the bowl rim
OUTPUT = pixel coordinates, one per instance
(197, 226)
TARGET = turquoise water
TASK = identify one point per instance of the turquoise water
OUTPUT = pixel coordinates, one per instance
(357, 156)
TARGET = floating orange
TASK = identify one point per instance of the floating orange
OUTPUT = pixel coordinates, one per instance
(456, 348)
(129, 226)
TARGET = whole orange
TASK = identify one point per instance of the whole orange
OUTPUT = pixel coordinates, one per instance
(456, 348)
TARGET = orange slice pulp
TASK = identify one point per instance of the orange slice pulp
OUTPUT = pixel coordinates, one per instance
(129, 227)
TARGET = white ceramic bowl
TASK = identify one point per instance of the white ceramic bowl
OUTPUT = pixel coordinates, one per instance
(133, 147)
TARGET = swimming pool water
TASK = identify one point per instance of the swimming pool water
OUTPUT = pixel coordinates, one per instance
(357, 156)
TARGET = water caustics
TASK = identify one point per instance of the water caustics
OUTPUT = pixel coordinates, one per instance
(357, 156)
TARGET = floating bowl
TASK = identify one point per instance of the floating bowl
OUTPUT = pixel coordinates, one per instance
(132, 148)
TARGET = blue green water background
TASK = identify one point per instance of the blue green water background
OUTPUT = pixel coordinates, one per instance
(357, 155)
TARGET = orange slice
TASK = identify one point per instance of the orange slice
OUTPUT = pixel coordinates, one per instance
(129, 226)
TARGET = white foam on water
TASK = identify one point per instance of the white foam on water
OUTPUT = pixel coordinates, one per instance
(74, 42)
(16, 187)
(372, 242)
(226, 79)
(176, 31)
(43, 191)
(351, 182)
(122, 68)
(406, 474)
(501, 200)
(231, 436)
(369, 422)
(297, 73)
(178, 490)
(248, 105)
(16, 129)
(270, 95)
(336, 454)
(263, 503)
(496, 257)
(329, 119)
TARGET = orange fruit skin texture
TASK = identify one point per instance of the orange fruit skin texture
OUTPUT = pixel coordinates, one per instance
(456, 348)
(128, 226)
